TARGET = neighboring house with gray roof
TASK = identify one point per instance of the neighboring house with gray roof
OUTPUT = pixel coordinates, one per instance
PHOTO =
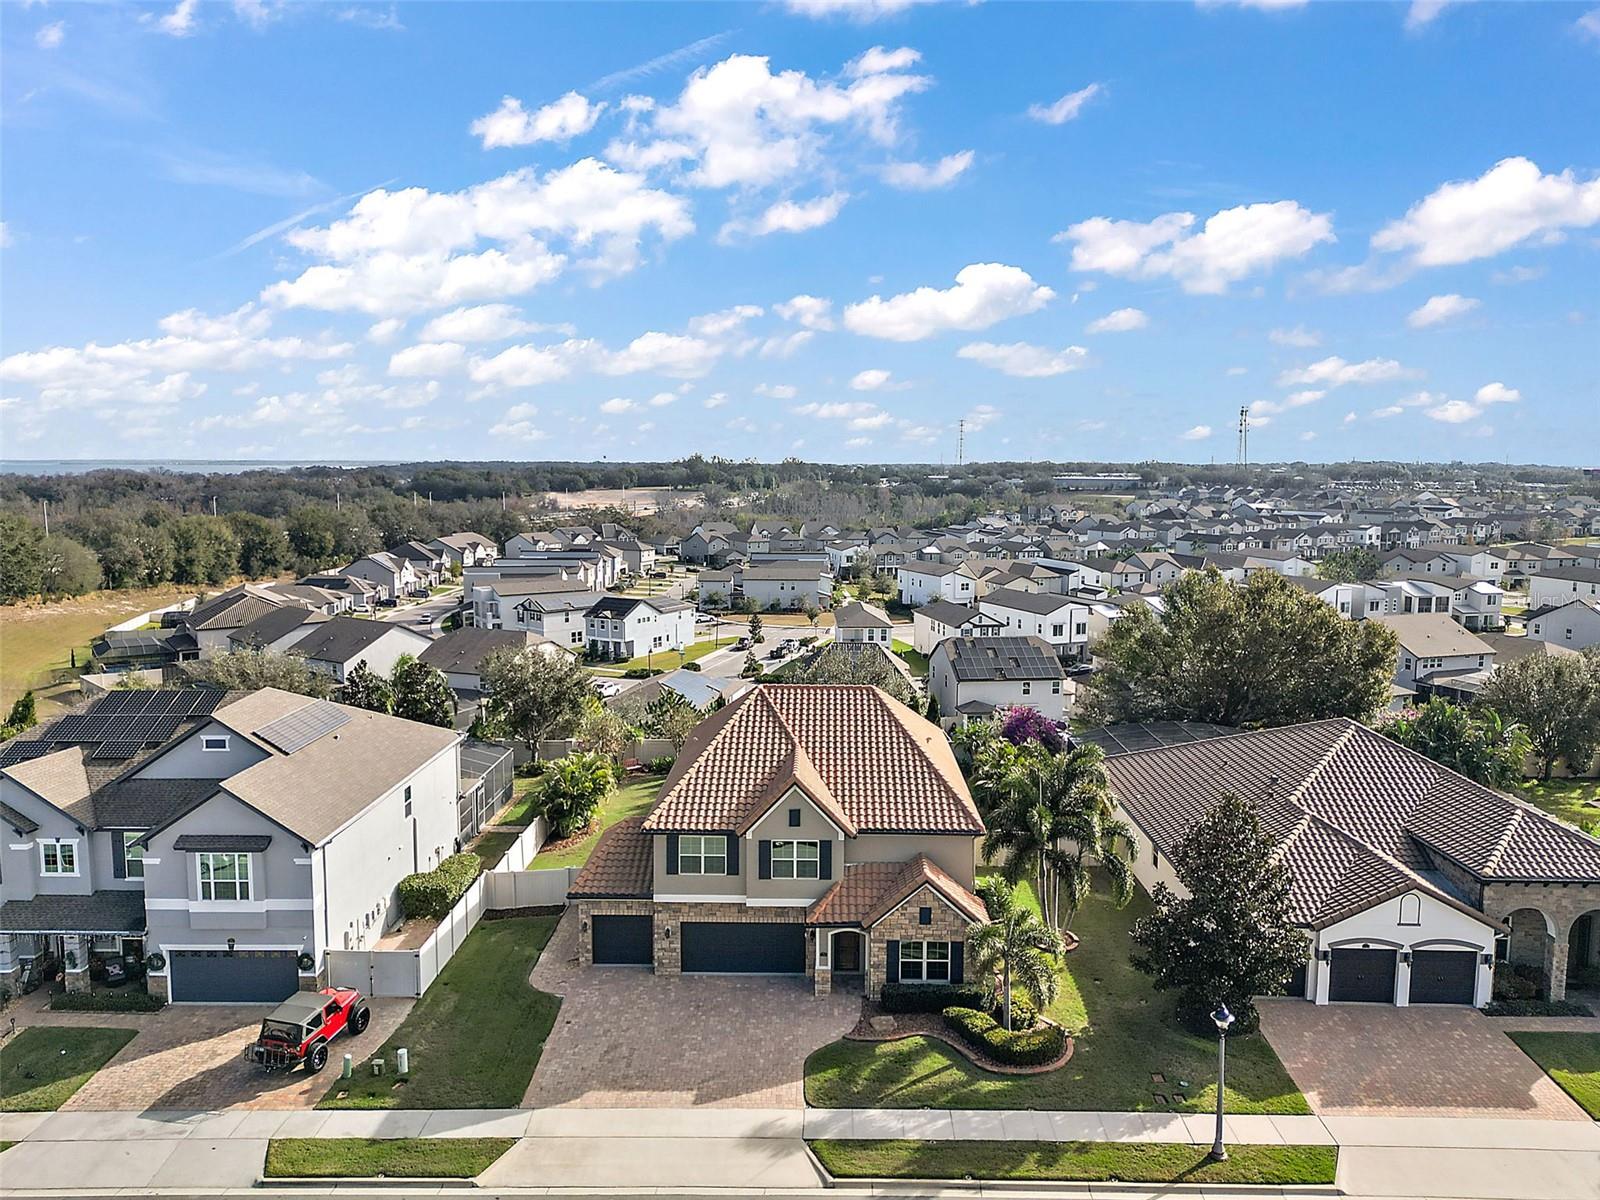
(1409, 881)
(230, 843)
(336, 646)
(941, 619)
(976, 677)
(624, 627)
(464, 550)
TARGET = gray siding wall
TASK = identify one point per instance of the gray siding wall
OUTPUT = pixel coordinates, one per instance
(186, 759)
(19, 854)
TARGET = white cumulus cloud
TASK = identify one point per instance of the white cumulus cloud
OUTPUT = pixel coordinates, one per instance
(1334, 371)
(927, 177)
(1121, 321)
(1436, 310)
(559, 121)
(870, 380)
(1299, 337)
(1065, 109)
(1195, 433)
(984, 294)
(1024, 361)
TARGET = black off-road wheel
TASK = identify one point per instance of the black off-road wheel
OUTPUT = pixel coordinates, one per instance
(359, 1020)
(317, 1058)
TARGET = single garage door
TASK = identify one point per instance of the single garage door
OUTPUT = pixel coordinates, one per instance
(1366, 975)
(621, 940)
(751, 947)
(237, 977)
(1443, 976)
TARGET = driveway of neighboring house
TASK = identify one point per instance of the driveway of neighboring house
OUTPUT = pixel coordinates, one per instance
(1375, 1060)
(190, 1056)
(628, 1039)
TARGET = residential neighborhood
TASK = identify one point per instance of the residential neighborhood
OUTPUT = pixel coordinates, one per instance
(938, 599)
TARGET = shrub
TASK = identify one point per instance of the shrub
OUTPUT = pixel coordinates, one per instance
(133, 1000)
(659, 766)
(433, 893)
(1029, 1048)
(641, 672)
(1508, 986)
(1537, 1008)
(930, 998)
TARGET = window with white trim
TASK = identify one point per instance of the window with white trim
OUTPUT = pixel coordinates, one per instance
(702, 854)
(224, 876)
(214, 742)
(795, 860)
(132, 855)
(58, 858)
(924, 962)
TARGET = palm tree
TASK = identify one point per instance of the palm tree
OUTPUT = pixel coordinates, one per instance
(1015, 945)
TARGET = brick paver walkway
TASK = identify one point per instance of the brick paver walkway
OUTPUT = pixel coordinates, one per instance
(1374, 1060)
(627, 1039)
(189, 1057)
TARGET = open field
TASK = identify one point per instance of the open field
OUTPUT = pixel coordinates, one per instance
(643, 501)
(37, 641)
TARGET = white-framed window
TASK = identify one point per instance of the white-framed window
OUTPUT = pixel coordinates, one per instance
(795, 860)
(924, 962)
(132, 855)
(224, 875)
(213, 742)
(408, 800)
(58, 858)
(702, 854)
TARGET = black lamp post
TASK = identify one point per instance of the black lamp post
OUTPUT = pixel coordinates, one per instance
(1223, 1020)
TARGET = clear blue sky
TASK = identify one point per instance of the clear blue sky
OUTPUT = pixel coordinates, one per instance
(801, 227)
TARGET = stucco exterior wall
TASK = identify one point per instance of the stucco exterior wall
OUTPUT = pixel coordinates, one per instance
(189, 760)
(1437, 926)
(19, 867)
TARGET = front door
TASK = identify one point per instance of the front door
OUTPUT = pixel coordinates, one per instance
(846, 952)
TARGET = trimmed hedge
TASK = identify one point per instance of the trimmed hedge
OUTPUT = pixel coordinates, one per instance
(133, 1000)
(434, 893)
(1032, 1048)
(930, 997)
(1537, 1008)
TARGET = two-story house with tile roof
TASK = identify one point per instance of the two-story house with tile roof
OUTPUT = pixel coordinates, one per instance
(820, 830)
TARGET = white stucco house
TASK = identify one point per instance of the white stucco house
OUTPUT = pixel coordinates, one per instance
(1574, 625)
(975, 677)
(857, 622)
(1059, 622)
(624, 627)
(923, 582)
(940, 619)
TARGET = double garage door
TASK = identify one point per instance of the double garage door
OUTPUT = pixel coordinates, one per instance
(233, 977)
(708, 947)
(1437, 976)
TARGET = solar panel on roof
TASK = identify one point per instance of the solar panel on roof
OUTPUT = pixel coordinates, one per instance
(161, 728)
(300, 728)
(117, 750)
(114, 703)
(19, 752)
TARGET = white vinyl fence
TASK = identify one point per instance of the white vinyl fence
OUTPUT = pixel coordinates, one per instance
(409, 972)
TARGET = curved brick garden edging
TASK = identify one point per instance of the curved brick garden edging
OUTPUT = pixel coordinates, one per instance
(931, 1025)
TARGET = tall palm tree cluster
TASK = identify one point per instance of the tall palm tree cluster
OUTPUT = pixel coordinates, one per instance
(1051, 820)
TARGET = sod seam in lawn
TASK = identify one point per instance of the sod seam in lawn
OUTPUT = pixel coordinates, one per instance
(392, 1158)
(1124, 1031)
(1091, 1162)
(1571, 1059)
(475, 1036)
(35, 1074)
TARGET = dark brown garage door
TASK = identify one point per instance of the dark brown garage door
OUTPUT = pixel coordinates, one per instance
(1362, 975)
(1443, 976)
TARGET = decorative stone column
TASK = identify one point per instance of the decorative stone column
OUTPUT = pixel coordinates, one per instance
(822, 981)
(75, 950)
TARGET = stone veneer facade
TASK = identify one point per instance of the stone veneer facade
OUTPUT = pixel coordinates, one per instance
(901, 925)
(1560, 905)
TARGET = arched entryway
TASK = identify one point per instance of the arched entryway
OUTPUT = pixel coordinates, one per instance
(1583, 958)
(1529, 950)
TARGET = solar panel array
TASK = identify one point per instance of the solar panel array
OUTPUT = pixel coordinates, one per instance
(299, 729)
(119, 725)
(1003, 658)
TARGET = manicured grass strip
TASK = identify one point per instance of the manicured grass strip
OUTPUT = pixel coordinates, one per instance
(1124, 1032)
(1571, 800)
(392, 1158)
(1094, 1162)
(914, 658)
(43, 1065)
(666, 660)
(1571, 1059)
(4, 1146)
(491, 848)
(474, 1037)
(630, 800)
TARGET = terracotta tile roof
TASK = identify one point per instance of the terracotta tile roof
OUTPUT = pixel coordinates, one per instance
(863, 758)
(620, 866)
(1359, 817)
(869, 892)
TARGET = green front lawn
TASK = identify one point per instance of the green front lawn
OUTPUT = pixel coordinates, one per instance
(44, 1064)
(1571, 1059)
(491, 848)
(914, 658)
(1125, 1033)
(632, 799)
(524, 795)
(1571, 800)
(665, 660)
(392, 1158)
(475, 1036)
(1096, 1162)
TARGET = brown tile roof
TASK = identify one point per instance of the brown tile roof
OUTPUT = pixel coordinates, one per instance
(865, 759)
(869, 892)
(1357, 815)
(620, 866)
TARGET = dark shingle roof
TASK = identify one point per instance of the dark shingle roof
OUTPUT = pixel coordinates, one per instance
(340, 639)
(1038, 603)
(116, 910)
(462, 651)
(244, 843)
(269, 627)
(16, 820)
(621, 606)
(947, 612)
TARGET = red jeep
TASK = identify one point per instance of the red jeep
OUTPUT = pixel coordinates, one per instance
(299, 1029)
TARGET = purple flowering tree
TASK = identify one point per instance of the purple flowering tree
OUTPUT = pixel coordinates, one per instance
(1020, 725)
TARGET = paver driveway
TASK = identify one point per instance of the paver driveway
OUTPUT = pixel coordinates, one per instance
(1371, 1059)
(188, 1056)
(628, 1039)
